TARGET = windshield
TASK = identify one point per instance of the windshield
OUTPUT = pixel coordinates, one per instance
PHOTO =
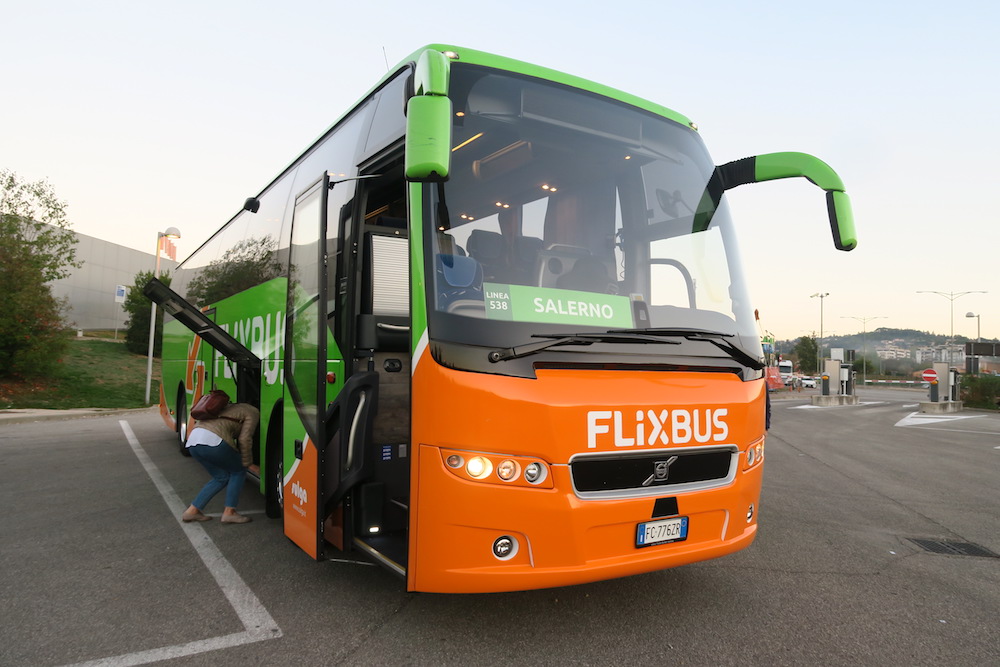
(569, 212)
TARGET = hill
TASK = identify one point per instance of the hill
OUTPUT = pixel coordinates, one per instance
(870, 341)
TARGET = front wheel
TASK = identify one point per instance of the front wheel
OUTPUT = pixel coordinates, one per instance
(274, 506)
(274, 471)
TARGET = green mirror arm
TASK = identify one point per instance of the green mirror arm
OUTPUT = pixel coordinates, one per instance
(772, 166)
(431, 73)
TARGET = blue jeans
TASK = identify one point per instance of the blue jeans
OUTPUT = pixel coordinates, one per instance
(227, 471)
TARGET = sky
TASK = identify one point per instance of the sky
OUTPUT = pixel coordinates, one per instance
(145, 115)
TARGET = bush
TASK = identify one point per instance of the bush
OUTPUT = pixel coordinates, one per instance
(138, 305)
(980, 391)
(31, 326)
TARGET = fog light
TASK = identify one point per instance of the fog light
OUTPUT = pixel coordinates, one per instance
(750, 513)
(479, 467)
(534, 472)
(454, 461)
(507, 470)
(504, 548)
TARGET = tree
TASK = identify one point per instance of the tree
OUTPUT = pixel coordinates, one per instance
(865, 366)
(138, 305)
(248, 263)
(808, 352)
(36, 247)
(33, 219)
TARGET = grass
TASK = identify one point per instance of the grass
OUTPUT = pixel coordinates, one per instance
(94, 373)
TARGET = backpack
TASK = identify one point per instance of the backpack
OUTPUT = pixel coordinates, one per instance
(211, 405)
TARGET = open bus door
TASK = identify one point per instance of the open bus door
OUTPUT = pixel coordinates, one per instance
(344, 473)
(247, 363)
(202, 323)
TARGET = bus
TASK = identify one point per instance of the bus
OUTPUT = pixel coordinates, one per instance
(497, 328)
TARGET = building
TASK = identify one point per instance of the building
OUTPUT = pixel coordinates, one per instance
(953, 354)
(90, 289)
(892, 351)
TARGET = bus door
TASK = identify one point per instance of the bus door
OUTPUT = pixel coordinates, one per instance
(374, 418)
(299, 467)
(382, 344)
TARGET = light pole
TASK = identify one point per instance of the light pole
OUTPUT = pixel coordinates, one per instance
(864, 342)
(171, 233)
(974, 365)
(819, 351)
(978, 337)
(951, 296)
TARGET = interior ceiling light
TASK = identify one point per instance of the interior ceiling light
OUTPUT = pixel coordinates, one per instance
(467, 142)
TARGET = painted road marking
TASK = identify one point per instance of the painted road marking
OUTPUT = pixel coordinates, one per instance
(257, 622)
(810, 406)
(921, 419)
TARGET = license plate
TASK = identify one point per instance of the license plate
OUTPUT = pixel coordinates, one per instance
(660, 532)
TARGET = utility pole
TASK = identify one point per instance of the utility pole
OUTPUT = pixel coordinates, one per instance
(819, 352)
(951, 296)
(864, 341)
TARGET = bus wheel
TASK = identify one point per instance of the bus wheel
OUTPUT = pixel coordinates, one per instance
(275, 501)
(182, 423)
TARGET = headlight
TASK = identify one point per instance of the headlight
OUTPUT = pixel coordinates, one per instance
(508, 470)
(534, 472)
(479, 467)
(512, 470)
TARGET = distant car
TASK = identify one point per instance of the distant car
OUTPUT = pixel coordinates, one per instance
(809, 382)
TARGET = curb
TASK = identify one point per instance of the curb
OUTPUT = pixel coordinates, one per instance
(24, 416)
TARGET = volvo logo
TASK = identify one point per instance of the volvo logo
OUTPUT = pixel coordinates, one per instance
(661, 471)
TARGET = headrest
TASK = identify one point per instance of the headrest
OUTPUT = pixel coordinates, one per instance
(459, 271)
(485, 246)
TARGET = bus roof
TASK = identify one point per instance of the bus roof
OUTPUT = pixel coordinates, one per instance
(471, 56)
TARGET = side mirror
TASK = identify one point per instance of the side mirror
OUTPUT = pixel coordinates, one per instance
(772, 166)
(428, 120)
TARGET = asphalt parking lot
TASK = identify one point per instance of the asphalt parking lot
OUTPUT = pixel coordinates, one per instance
(97, 569)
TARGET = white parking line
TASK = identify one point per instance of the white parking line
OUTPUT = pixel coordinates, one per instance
(257, 623)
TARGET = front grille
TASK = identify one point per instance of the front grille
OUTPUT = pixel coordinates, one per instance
(636, 474)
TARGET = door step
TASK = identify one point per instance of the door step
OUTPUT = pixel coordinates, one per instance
(388, 549)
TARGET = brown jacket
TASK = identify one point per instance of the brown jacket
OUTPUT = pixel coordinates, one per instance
(238, 430)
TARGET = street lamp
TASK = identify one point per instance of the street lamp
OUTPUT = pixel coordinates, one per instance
(978, 337)
(973, 363)
(951, 296)
(864, 342)
(819, 352)
(171, 233)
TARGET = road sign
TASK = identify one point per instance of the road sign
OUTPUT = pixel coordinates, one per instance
(929, 375)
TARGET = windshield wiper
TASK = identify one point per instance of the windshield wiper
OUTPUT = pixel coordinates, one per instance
(716, 338)
(624, 336)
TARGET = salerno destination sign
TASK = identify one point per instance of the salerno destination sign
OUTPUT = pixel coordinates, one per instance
(522, 303)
